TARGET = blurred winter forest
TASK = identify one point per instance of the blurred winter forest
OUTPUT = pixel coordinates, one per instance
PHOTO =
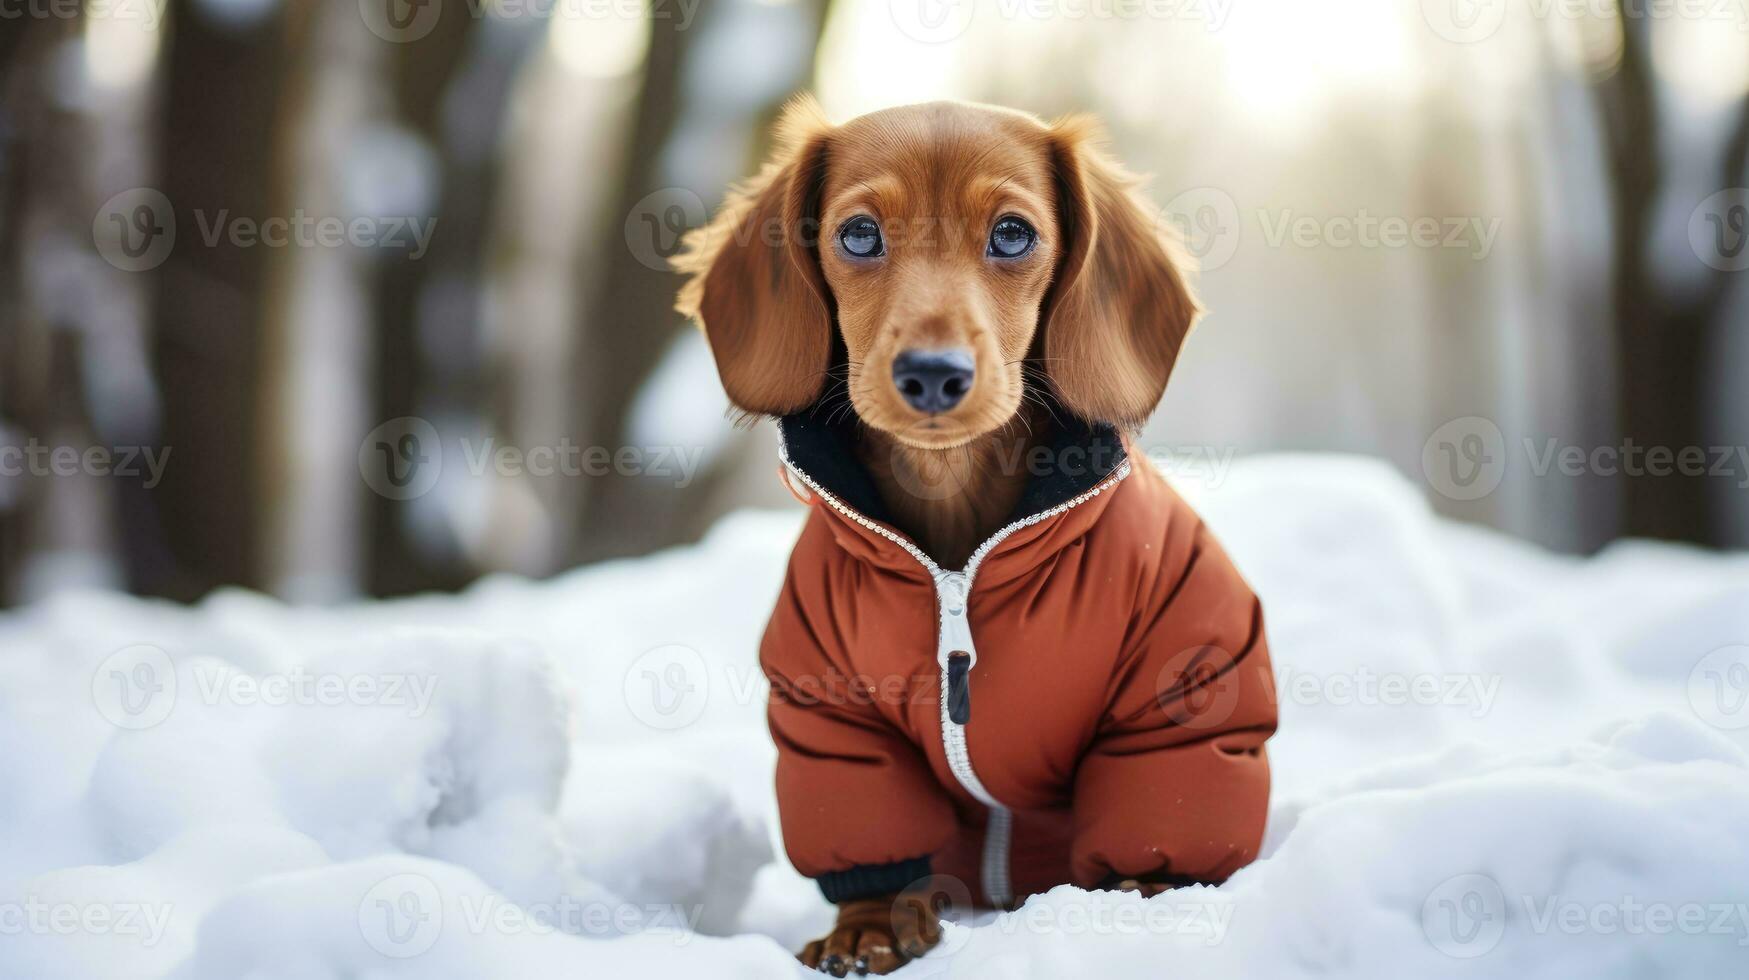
(362, 297)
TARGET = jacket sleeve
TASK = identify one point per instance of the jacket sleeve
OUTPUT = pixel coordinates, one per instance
(1175, 786)
(860, 808)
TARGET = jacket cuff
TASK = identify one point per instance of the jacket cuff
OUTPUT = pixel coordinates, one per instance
(866, 880)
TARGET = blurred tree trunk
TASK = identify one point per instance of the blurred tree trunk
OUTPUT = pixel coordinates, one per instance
(58, 298)
(34, 138)
(1663, 334)
(15, 78)
(631, 322)
(430, 305)
(332, 144)
(222, 93)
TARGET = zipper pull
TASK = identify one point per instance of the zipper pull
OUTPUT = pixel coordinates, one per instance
(959, 693)
(955, 652)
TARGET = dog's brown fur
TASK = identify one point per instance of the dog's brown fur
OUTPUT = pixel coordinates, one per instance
(1096, 311)
(769, 286)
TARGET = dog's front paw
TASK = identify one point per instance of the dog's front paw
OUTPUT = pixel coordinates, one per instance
(1148, 889)
(876, 935)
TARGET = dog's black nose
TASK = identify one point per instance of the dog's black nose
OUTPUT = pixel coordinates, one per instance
(933, 380)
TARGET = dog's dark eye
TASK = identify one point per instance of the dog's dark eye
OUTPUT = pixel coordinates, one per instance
(861, 237)
(1011, 238)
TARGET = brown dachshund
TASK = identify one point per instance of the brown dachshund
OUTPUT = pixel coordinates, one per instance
(956, 311)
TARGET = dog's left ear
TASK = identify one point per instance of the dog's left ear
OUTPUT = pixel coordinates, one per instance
(755, 284)
(1119, 306)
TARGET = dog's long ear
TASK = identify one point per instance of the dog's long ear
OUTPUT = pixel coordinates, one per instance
(1119, 306)
(756, 286)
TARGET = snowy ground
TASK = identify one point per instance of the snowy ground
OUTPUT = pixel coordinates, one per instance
(1492, 762)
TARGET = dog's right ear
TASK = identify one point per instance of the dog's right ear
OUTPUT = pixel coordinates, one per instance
(756, 286)
(1121, 304)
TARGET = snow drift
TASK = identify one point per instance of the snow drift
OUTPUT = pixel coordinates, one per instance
(1492, 762)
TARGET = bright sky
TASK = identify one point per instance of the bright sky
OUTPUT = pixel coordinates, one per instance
(1276, 63)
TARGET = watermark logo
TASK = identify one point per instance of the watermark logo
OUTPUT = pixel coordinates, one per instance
(135, 230)
(932, 21)
(574, 916)
(303, 687)
(1199, 688)
(410, 236)
(402, 458)
(138, 686)
(401, 916)
(400, 21)
(1207, 221)
(667, 688)
(1171, 912)
(1366, 688)
(1718, 230)
(954, 473)
(940, 21)
(1465, 459)
(1465, 916)
(933, 476)
(405, 21)
(1464, 21)
(654, 227)
(1367, 230)
(935, 904)
(135, 687)
(148, 13)
(1470, 21)
(1718, 688)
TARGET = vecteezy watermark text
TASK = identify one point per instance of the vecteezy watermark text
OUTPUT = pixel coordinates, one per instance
(403, 916)
(304, 230)
(149, 13)
(1467, 915)
(34, 916)
(403, 458)
(940, 21)
(1211, 226)
(1470, 21)
(138, 687)
(136, 230)
(39, 459)
(1367, 688)
(1165, 915)
(1363, 229)
(1466, 458)
(566, 458)
(403, 21)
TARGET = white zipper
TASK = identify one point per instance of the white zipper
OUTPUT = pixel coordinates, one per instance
(953, 592)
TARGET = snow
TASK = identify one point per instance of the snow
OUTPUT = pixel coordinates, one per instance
(1493, 761)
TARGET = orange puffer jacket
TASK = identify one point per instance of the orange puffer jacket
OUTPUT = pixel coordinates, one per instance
(1087, 700)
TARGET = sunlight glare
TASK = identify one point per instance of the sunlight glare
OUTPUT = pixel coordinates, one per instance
(598, 44)
(1285, 59)
(120, 51)
(1706, 60)
(867, 62)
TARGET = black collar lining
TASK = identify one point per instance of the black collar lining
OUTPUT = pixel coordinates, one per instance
(1078, 457)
